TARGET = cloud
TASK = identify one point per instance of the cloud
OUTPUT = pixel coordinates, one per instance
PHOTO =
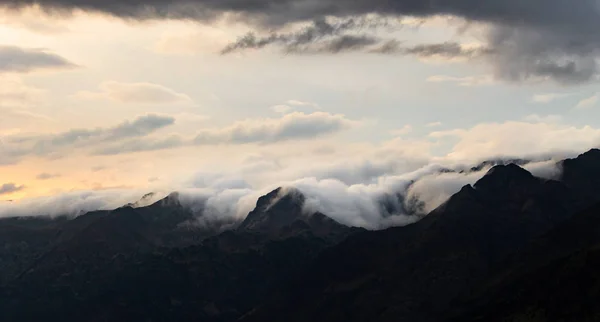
(15, 147)
(291, 126)
(47, 176)
(394, 184)
(24, 60)
(548, 97)
(302, 103)
(15, 93)
(434, 124)
(291, 105)
(467, 81)
(587, 102)
(519, 139)
(321, 36)
(542, 39)
(345, 35)
(9, 188)
(402, 131)
(535, 118)
(335, 45)
(136, 93)
(282, 109)
(447, 50)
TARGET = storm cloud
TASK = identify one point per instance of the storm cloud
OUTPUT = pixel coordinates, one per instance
(537, 39)
(528, 40)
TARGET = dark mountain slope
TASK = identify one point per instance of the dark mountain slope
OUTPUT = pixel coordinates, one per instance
(112, 270)
(280, 213)
(412, 273)
(556, 278)
(582, 175)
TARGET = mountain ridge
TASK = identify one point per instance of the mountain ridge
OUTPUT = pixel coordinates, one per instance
(284, 263)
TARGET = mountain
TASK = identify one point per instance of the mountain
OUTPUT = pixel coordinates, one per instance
(486, 254)
(555, 278)
(133, 264)
(582, 175)
(281, 213)
(414, 273)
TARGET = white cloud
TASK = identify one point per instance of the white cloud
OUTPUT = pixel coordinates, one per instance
(535, 118)
(467, 81)
(137, 93)
(292, 105)
(548, 97)
(402, 131)
(302, 103)
(282, 109)
(434, 124)
(587, 102)
(518, 139)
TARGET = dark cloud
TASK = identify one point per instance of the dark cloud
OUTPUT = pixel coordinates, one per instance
(545, 39)
(9, 188)
(339, 44)
(13, 148)
(320, 29)
(23, 60)
(569, 14)
(446, 50)
(47, 176)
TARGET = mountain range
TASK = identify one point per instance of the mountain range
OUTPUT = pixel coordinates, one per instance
(511, 247)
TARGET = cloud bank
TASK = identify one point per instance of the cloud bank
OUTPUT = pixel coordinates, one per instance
(390, 200)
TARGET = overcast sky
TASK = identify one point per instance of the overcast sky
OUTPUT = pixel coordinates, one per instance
(152, 94)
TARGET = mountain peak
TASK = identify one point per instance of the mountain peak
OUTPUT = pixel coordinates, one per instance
(503, 177)
(144, 201)
(172, 200)
(275, 210)
(593, 153)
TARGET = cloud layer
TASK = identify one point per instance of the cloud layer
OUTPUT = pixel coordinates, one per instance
(139, 135)
(292, 126)
(15, 147)
(539, 39)
(390, 200)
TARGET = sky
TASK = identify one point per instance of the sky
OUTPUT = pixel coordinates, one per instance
(102, 98)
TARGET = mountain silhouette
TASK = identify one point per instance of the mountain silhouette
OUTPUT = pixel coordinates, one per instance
(511, 247)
